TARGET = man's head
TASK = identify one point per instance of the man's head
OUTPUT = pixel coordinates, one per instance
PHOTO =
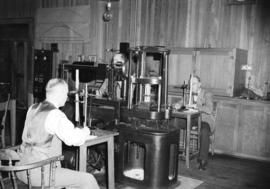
(56, 91)
(196, 84)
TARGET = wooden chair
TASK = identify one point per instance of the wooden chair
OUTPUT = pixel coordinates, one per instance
(8, 158)
(195, 139)
(194, 145)
(3, 123)
(212, 143)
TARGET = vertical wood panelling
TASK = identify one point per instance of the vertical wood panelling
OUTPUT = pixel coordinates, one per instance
(143, 6)
(131, 6)
(180, 37)
(120, 23)
(175, 28)
(173, 23)
(151, 23)
(170, 23)
(162, 24)
(207, 23)
(17, 8)
(138, 16)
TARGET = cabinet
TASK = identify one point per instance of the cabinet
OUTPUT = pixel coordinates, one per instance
(243, 128)
(219, 68)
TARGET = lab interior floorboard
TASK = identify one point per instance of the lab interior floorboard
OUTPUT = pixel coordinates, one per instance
(223, 172)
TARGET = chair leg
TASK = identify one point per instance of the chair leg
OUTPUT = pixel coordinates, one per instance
(213, 145)
(29, 179)
(1, 181)
(13, 177)
(212, 150)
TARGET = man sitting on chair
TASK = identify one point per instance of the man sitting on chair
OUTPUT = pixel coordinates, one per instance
(45, 128)
(201, 100)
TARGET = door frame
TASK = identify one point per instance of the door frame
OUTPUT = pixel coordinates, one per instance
(27, 59)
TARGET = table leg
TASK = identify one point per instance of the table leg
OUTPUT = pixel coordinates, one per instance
(83, 158)
(188, 140)
(110, 150)
(199, 131)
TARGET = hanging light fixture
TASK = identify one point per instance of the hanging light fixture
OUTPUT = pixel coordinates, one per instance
(107, 16)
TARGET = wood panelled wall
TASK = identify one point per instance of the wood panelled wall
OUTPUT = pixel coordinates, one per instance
(175, 23)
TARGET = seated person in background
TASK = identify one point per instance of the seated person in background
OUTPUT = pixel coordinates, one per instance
(44, 130)
(118, 62)
(202, 101)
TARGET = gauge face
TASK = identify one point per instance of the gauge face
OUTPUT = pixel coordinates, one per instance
(119, 60)
(120, 64)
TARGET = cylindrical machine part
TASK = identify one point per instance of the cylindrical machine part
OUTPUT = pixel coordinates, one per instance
(166, 70)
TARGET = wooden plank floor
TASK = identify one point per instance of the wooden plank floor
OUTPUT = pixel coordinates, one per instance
(225, 172)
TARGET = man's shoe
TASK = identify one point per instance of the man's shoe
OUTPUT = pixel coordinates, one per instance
(202, 165)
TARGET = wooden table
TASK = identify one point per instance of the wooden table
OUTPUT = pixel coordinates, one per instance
(188, 115)
(102, 136)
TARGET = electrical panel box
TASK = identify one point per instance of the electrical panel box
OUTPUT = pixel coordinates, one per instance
(43, 62)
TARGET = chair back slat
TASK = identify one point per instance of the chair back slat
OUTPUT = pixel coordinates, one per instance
(42, 177)
(28, 179)
(53, 175)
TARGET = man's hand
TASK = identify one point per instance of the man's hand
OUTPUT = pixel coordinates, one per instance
(98, 94)
(177, 106)
(192, 106)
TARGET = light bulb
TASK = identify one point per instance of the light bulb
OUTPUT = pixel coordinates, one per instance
(109, 5)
